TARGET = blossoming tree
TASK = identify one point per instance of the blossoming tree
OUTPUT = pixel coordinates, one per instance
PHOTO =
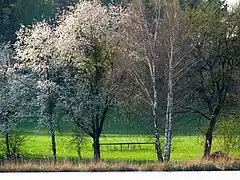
(81, 45)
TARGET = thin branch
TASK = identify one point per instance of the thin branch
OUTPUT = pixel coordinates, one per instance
(197, 111)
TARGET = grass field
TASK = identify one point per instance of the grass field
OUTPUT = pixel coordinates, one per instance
(183, 148)
(187, 142)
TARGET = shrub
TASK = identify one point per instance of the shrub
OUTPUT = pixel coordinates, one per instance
(228, 132)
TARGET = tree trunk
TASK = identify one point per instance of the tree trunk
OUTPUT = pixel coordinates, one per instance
(157, 142)
(96, 148)
(53, 139)
(208, 138)
(156, 130)
(156, 133)
(154, 112)
(169, 111)
(50, 107)
(168, 129)
(79, 152)
(8, 153)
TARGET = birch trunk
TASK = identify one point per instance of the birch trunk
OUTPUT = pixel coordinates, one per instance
(169, 110)
(154, 112)
(157, 140)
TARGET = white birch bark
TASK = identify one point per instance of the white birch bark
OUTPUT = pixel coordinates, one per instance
(176, 38)
(152, 69)
(169, 111)
(142, 50)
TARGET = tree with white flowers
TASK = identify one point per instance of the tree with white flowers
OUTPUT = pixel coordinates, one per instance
(6, 101)
(35, 56)
(85, 45)
(81, 45)
(12, 94)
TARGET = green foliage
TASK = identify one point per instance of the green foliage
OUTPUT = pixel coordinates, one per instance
(206, 22)
(17, 141)
(77, 141)
(228, 134)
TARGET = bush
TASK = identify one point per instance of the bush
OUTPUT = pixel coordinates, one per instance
(228, 132)
(16, 142)
(77, 141)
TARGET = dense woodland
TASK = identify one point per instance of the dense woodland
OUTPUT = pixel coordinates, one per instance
(83, 61)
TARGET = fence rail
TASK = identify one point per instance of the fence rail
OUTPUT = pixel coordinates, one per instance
(121, 144)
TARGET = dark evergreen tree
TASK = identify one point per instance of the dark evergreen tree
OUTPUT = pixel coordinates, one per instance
(13, 13)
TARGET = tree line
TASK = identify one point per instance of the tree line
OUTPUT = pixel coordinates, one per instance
(161, 57)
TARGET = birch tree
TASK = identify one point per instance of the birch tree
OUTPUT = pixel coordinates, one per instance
(140, 41)
(176, 46)
(157, 45)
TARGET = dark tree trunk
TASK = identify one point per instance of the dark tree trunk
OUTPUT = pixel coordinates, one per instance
(54, 150)
(79, 152)
(208, 138)
(96, 149)
(8, 153)
(50, 107)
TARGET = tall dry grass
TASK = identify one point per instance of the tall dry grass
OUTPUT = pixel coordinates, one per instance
(67, 166)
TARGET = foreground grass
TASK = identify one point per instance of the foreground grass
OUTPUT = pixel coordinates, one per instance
(66, 166)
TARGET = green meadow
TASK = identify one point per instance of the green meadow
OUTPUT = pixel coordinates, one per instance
(187, 143)
(183, 148)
